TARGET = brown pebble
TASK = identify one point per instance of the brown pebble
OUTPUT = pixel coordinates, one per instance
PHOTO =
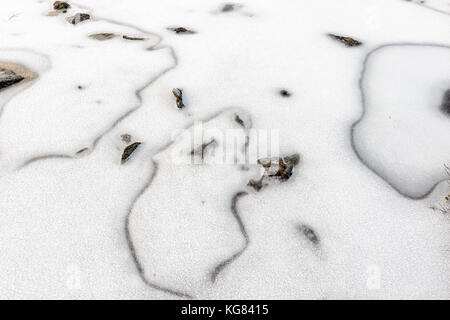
(178, 93)
(349, 42)
(61, 5)
(102, 36)
(284, 93)
(182, 30)
(133, 38)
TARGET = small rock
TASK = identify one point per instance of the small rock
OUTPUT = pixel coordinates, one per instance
(309, 234)
(349, 42)
(126, 137)
(102, 36)
(228, 7)
(61, 5)
(243, 120)
(178, 93)
(239, 120)
(445, 105)
(133, 38)
(280, 168)
(79, 17)
(8, 78)
(178, 30)
(284, 93)
(128, 151)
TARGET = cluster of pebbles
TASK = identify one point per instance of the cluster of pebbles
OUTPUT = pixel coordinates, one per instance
(62, 7)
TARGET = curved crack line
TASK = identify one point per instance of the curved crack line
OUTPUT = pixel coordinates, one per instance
(123, 24)
(29, 82)
(129, 239)
(115, 123)
(44, 157)
(221, 266)
(132, 248)
(138, 95)
(145, 187)
(363, 103)
(436, 10)
(426, 6)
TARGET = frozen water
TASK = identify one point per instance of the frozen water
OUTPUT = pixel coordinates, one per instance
(442, 6)
(180, 241)
(403, 135)
(68, 111)
(82, 225)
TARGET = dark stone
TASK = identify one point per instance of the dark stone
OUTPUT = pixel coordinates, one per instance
(128, 151)
(79, 17)
(102, 36)
(61, 5)
(445, 105)
(349, 42)
(178, 93)
(243, 120)
(181, 30)
(277, 168)
(284, 93)
(309, 234)
(8, 78)
(228, 7)
(133, 38)
(239, 120)
(280, 168)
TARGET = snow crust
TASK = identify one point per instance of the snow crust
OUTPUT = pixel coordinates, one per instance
(76, 223)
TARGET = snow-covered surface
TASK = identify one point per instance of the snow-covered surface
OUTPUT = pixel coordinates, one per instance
(366, 120)
(403, 87)
(442, 6)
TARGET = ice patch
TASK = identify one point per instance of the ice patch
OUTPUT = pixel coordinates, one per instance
(91, 88)
(403, 134)
(185, 227)
(442, 6)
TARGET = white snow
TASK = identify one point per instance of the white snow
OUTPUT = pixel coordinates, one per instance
(442, 6)
(82, 225)
(190, 231)
(403, 87)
